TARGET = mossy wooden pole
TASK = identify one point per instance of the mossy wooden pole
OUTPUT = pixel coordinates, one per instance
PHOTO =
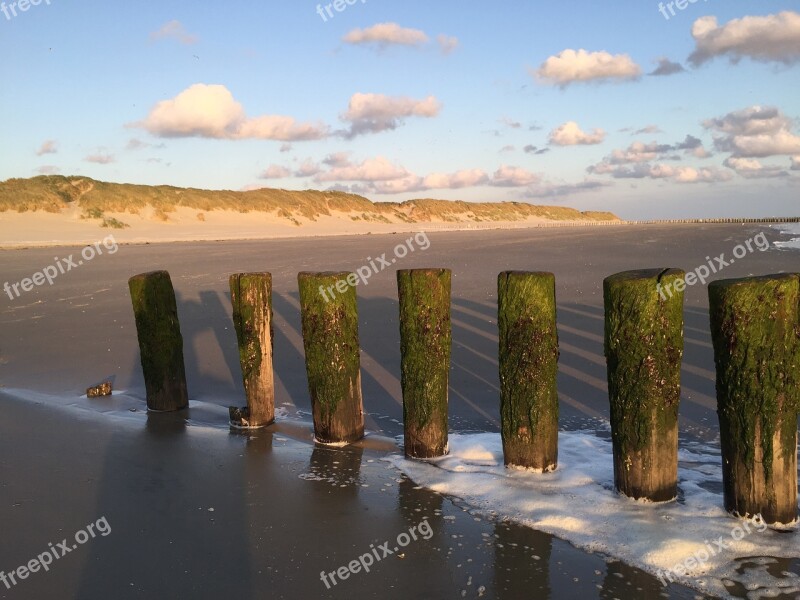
(755, 327)
(333, 363)
(160, 340)
(644, 348)
(251, 297)
(528, 369)
(425, 337)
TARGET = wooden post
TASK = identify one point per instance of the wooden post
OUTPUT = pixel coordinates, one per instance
(333, 361)
(644, 348)
(251, 297)
(528, 369)
(425, 336)
(755, 327)
(160, 340)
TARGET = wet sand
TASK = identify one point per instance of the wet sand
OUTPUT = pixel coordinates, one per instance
(283, 510)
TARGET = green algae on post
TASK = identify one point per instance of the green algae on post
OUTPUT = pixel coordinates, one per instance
(526, 318)
(425, 337)
(251, 298)
(160, 340)
(333, 362)
(644, 349)
(755, 326)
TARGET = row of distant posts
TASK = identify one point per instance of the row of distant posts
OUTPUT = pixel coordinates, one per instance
(755, 326)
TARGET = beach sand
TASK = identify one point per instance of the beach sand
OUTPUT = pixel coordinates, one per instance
(280, 512)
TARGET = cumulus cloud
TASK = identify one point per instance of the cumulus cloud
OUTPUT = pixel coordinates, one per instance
(100, 158)
(507, 176)
(373, 113)
(751, 168)
(275, 172)
(386, 34)
(457, 180)
(381, 176)
(666, 67)
(570, 134)
(662, 171)
(755, 132)
(770, 38)
(307, 169)
(48, 170)
(447, 43)
(47, 147)
(337, 159)
(173, 30)
(571, 66)
(371, 170)
(210, 111)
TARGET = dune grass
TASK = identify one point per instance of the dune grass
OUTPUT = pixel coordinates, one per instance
(54, 193)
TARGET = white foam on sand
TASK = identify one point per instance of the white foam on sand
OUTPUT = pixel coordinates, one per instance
(789, 229)
(577, 503)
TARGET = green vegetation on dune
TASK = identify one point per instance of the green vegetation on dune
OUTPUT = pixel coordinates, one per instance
(53, 193)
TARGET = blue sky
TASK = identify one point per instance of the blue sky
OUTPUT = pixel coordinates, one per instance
(549, 103)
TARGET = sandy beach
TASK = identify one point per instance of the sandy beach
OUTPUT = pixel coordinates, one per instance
(284, 510)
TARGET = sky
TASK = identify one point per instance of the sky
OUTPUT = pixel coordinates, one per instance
(651, 110)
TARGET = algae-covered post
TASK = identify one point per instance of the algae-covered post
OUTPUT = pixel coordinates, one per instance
(160, 340)
(755, 327)
(425, 335)
(644, 348)
(251, 298)
(333, 362)
(526, 318)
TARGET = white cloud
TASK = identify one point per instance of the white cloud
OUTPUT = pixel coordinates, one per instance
(275, 172)
(210, 111)
(755, 132)
(47, 147)
(751, 168)
(447, 44)
(307, 169)
(173, 30)
(457, 180)
(48, 170)
(337, 159)
(570, 134)
(100, 158)
(762, 38)
(373, 113)
(796, 163)
(507, 176)
(385, 34)
(371, 170)
(572, 66)
(662, 171)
